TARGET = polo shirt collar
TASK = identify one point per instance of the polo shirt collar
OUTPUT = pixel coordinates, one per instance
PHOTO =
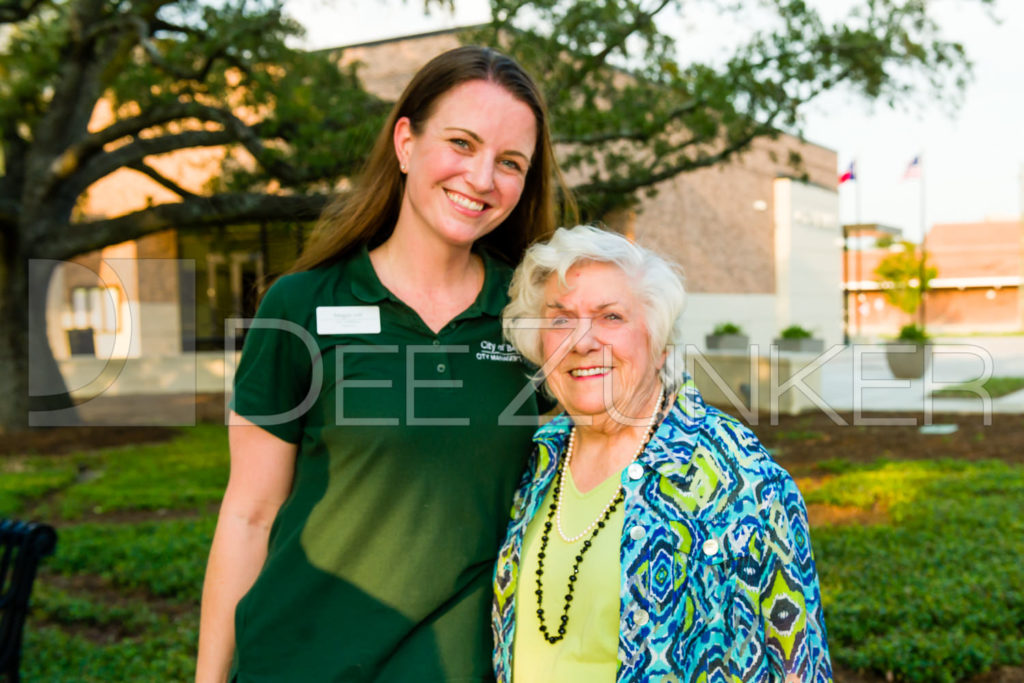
(363, 280)
(367, 287)
(494, 294)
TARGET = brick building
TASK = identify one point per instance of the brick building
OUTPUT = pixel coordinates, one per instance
(759, 247)
(977, 289)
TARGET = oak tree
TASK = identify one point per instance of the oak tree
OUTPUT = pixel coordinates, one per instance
(628, 111)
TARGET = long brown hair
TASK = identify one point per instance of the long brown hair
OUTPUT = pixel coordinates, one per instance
(368, 212)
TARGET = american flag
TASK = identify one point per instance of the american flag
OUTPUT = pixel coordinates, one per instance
(913, 168)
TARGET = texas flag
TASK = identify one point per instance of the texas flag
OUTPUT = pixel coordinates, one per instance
(849, 174)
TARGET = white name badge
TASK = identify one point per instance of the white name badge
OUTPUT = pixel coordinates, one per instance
(348, 320)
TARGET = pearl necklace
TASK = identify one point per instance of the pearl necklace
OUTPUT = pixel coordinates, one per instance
(648, 433)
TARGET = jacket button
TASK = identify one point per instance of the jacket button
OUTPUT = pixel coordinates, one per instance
(641, 617)
(710, 547)
(635, 471)
(637, 532)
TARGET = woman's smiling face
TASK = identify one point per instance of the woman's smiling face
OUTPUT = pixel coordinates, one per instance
(597, 352)
(467, 166)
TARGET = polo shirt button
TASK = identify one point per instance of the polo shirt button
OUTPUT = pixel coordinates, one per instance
(441, 367)
(437, 342)
(635, 471)
(710, 547)
(637, 532)
(641, 617)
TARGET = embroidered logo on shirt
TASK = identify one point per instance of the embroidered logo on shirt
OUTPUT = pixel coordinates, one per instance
(500, 352)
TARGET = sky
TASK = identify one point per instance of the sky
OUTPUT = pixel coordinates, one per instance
(971, 158)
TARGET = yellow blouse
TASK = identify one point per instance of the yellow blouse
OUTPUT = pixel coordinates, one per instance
(588, 653)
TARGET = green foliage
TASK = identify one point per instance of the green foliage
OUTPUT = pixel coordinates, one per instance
(937, 594)
(30, 65)
(882, 483)
(631, 113)
(23, 478)
(903, 276)
(192, 469)
(56, 655)
(798, 435)
(112, 631)
(834, 466)
(934, 594)
(727, 328)
(993, 386)
(796, 332)
(913, 334)
(55, 605)
(165, 558)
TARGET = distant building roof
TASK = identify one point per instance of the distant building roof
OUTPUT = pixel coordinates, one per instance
(987, 254)
(866, 229)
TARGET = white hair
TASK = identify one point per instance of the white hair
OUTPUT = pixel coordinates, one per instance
(658, 283)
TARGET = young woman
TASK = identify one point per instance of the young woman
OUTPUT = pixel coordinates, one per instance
(371, 466)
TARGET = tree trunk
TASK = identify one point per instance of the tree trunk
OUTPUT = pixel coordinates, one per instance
(33, 390)
(13, 343)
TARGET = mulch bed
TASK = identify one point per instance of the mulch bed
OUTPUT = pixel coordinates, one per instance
(797, 442)
(60, 440)
(800, 442)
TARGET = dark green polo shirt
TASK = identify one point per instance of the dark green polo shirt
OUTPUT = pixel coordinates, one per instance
(380, 561)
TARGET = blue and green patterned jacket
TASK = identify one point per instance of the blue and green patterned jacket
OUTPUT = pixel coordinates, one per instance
(718, 580)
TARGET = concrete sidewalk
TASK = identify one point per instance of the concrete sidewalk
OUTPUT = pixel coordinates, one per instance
(858, 379)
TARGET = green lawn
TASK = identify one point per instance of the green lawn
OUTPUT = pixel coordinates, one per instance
(994, 386)
(120, 599)
(931, 590)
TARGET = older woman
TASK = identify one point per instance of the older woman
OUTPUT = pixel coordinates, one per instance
(652, 538)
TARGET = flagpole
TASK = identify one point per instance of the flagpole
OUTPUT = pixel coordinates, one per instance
(856, 183)
(924, 234)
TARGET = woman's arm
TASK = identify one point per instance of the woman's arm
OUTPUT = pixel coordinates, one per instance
(262, 468)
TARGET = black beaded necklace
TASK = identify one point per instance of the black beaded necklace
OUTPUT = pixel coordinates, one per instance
(575, 566)
(587, 543)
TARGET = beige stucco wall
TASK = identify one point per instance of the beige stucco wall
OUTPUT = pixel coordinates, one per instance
(718, 222)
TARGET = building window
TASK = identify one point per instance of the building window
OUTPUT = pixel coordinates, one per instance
(95, 308)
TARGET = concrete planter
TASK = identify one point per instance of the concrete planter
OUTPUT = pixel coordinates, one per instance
(727, 342)
(907, 360)
(805, 345)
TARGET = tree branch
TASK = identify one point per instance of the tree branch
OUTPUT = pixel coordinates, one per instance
(154, 116)
(105, 164)
(155, 175)
(163, 25)
(235, 131)
(74, 100)
(9, 211)
(13, 11)
(62, 241)
(630, 135)
(142, 28)
(592, 62)
(627, 185)
(13, 151)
